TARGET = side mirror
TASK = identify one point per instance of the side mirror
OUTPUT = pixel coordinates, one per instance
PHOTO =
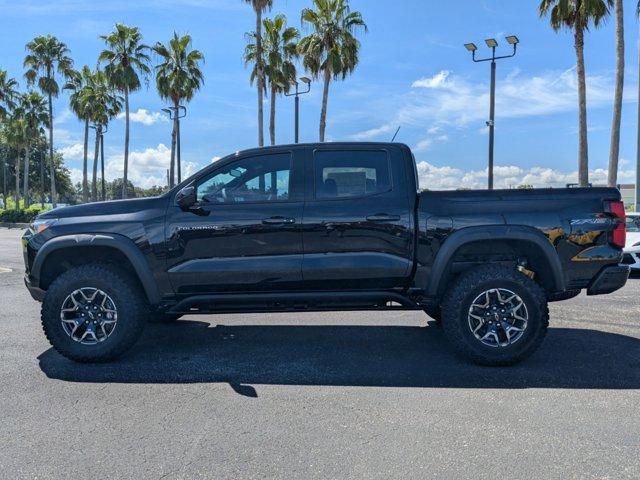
(186, 198)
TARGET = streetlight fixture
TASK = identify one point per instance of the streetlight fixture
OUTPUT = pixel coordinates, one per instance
(492, 43)
(177, 112)
(307, 82)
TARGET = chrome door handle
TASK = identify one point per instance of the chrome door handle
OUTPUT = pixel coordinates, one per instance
(278, 221)
(383, 217)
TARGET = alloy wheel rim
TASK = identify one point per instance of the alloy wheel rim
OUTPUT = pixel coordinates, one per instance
(88, 316)
(498, 317)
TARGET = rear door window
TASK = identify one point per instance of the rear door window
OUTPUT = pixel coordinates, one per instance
(351, 173)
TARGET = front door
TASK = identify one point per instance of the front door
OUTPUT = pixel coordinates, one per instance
(244, 234)
(358, 226)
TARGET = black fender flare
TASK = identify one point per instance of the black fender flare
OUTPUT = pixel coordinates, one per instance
(124, 244)
(492, 233)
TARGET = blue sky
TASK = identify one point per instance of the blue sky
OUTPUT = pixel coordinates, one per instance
(414, 72)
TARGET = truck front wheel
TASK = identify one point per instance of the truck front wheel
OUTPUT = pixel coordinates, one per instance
(494, 315)
(93, 313)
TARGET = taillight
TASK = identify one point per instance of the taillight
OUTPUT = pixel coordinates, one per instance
(619, 234)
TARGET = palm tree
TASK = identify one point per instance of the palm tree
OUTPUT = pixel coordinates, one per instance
(260, 6)
(48, 55)
(77, 84)
(331, 49)
(614, 153)
(125, 57)
(281, 50)
(577, 16)
(33, 111)
(16, 137)
(178, 78)
(102, 104)
(8, 93)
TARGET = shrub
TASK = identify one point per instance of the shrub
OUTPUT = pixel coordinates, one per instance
(19, 216)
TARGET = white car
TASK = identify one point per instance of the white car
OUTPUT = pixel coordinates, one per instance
(632, 249)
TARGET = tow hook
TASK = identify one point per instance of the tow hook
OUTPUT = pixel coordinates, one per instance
(522, 268)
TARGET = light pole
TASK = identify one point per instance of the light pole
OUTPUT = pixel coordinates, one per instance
(492, 44)
(102, 132)
(176, 113)
(307, 82)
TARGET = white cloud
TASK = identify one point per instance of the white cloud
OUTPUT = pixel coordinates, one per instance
(439, 80)
(507, 176)
(74, 151)
(145, 117)
(373, 134)
(147, 168)
(423, 145)
(445, 103)
(63, 117)
(76, 175)
(447, 99)
(215, 159)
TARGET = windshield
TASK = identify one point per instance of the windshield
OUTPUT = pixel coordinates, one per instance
(633, 224)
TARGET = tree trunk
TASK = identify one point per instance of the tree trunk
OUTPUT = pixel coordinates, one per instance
(4, 180)
(94, 184)
(52, 165)
(583, 149)
(17, 195)
(637, 196)
(42, 180)
(260, 79)
(25, 179)
(614, 153)
(102, 186)
(325, 100)
(174, 134)
(126, 143)
(85, 180)
(272, 118)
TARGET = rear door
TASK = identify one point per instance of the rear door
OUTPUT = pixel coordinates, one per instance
(357, 224)
(245, 234)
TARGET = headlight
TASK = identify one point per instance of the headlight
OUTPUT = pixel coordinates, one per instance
(637, 244)
(39, 226)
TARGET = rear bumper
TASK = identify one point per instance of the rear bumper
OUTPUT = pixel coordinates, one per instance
(609, 279)
(36, 293)
(631, 258)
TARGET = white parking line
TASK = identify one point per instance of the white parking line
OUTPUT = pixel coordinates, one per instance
(4, 270)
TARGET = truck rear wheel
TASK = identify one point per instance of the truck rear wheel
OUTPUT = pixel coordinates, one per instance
(93, 313)
(494, 315)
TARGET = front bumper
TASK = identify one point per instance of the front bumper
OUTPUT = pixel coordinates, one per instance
(36, 293)
(609, 279)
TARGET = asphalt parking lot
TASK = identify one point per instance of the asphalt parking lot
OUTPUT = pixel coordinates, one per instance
(341, 395)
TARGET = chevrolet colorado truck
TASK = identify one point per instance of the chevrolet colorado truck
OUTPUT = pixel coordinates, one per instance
(320, 227)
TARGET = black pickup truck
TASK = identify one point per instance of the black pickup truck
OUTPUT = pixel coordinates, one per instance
(323, 227)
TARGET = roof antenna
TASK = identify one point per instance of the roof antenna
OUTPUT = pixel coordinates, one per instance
(396, 134)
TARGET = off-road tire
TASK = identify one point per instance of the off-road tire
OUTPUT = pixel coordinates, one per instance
(455, 309)
(129, 300)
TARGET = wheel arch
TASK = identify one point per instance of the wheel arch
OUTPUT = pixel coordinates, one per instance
(110, 247)
(529, 241)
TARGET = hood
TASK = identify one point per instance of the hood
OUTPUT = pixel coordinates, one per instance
(114, 207)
